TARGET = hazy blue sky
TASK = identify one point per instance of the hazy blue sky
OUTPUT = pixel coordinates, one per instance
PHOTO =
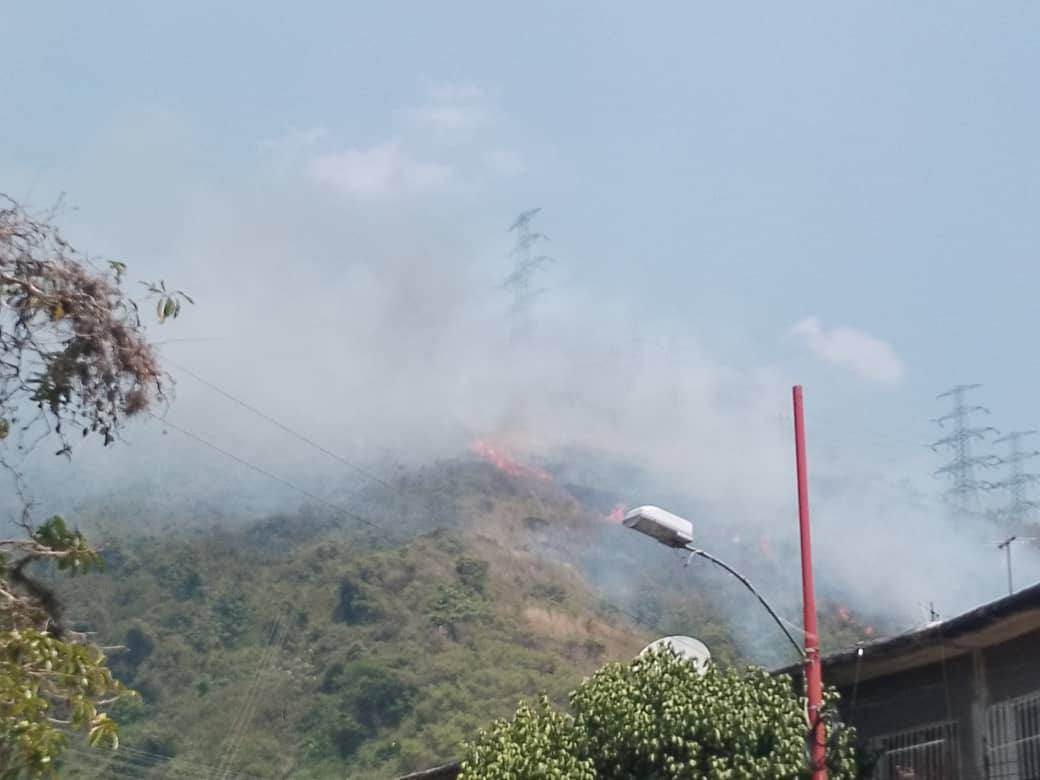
(756, 174)
(747, 164)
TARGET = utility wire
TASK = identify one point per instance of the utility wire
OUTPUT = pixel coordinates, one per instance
(280, 425)
(270, 475)
(199, 767)
(301, 437)
(238, 730)
(122, 765)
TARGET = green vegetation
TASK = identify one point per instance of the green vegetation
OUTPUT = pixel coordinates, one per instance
(300, 648)
(655, 717)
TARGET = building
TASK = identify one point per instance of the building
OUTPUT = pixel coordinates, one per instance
(956, 700)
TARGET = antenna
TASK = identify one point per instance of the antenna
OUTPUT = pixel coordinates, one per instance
(1006, 547)
(1018, 506)
(963, 495)
(929, 612)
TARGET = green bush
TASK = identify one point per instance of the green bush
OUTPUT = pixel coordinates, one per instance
(453, 607)
(329, 729)
(232, 615)
(472, 573)
(355, 604)
(357, 700)
(539, 743)
(182, 580)
(657, 718)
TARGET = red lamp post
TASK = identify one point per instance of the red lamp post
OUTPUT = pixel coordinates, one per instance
(813, 671)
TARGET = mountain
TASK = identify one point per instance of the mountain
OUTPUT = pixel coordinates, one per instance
(373, 641)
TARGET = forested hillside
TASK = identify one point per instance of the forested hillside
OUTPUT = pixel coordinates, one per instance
(315, 645)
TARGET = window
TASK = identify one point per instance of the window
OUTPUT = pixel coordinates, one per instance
(1013, 739)
(929, 752)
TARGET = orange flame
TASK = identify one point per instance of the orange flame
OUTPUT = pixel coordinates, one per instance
(617, 514)
(505, 463)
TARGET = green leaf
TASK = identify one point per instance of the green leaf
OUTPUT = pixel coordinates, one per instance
(118, 269)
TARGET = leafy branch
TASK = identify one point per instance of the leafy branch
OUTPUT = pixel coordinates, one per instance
(72, 348)
(169, 302)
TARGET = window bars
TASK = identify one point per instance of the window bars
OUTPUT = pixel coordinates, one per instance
(929, 752)
(1013, 739)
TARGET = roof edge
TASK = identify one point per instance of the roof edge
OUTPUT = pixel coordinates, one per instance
(941, 631)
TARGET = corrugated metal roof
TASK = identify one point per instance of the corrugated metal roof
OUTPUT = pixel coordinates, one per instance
(986, 625)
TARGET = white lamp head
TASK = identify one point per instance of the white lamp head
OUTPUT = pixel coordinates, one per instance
(660, 524)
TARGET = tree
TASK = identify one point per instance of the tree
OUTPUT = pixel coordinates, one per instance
(74, 361)
(657, 718)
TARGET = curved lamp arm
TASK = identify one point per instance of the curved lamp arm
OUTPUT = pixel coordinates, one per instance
(723, 565)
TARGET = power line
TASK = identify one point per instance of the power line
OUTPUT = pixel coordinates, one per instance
(121, 764)
(282, 426)
(306, 440)
(237, 734)
(199, 767)
(281, 480)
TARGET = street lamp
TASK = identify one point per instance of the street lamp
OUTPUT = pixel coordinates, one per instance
(677, 532)
(661, 525)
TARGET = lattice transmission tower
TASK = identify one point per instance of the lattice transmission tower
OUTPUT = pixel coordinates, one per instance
(1016, 512)
(963, 494)
(527, 264)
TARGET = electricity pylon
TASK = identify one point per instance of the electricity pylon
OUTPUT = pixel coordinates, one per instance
(963, 494)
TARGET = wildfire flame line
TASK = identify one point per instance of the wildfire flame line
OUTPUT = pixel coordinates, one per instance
(505, 463)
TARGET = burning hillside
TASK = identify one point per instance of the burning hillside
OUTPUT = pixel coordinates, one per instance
(507, 463)
(767, 557)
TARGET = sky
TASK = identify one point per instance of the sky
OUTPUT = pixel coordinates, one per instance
(739, 197)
